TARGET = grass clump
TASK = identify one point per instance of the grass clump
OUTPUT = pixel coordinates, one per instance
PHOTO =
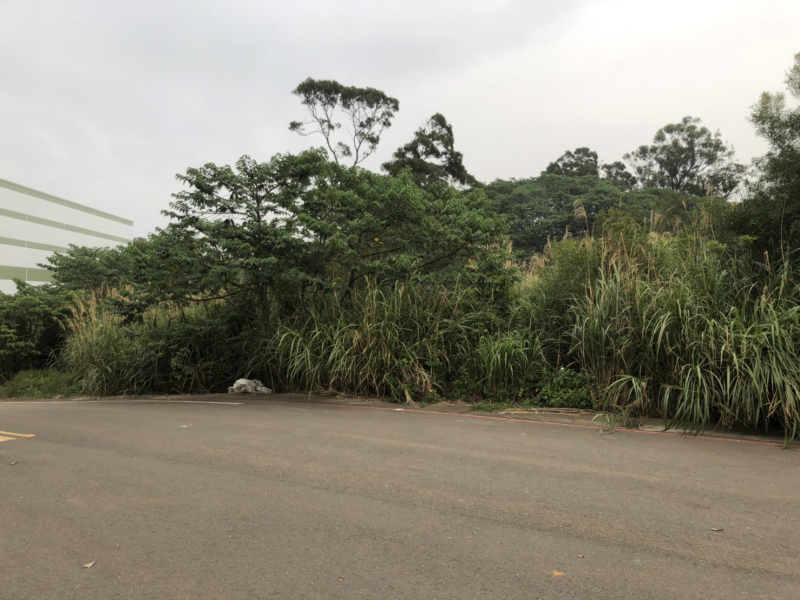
(563, 389)
(566, 389)
(168, 348)
(41, 384)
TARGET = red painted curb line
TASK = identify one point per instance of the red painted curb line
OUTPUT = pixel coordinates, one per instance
(534, 421)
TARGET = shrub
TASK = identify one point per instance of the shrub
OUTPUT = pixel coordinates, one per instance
(30, 327)
(566, 389)
(171, 349)
(47, 383)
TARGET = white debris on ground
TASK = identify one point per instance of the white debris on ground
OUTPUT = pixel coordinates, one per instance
(248, 386)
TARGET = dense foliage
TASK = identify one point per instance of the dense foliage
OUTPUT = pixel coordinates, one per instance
(771, 212)
(30, 329)
(634, 286)
(431, 156)
(687, 157)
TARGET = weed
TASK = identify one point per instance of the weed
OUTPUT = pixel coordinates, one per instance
(47, 383)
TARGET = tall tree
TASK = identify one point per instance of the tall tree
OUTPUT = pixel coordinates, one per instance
(242, 223)
(575, 164)
(618, 175)
(362, 225)
(366, 112)
(686, 157)
(772, 212)
(299, 223)
(431, 156)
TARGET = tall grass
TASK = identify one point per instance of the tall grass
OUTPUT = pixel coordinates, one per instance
(641, 322)
(508, 364)
(404, 341)
(407, 342)
(105, 356)
(386, 341)
(677, 330)
(168, 349)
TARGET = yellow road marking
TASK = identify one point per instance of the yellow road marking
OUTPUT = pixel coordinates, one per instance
(5, 439)
(25, 435)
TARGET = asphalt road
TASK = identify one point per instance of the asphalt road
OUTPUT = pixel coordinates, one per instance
(270, 500)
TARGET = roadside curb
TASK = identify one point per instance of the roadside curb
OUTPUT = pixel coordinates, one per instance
(581, 419)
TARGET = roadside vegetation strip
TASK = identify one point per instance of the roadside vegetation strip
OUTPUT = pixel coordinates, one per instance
(633, 293)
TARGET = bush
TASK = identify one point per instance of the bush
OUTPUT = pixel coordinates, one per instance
(680, 330)
(170, 349)
(400, 341)
(30, 327)
(48, 383)
(566, 389)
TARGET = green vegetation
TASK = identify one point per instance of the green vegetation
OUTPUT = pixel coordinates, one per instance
(634, 287)
(431, 156)
(45, 383)
(30, 330)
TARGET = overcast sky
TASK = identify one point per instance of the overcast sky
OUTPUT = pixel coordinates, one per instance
(104, 102)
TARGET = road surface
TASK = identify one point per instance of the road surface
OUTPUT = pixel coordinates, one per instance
(279, 500)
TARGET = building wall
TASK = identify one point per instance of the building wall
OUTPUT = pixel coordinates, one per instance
(34, 225)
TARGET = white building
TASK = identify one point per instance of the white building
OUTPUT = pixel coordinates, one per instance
(34, 225)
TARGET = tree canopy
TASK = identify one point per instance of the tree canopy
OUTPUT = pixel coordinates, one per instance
(302, 222)
(618, 175)
(543, 208)
(687, 157)
(431, 156)
(575, 164)
(771, 212)
(366, 113)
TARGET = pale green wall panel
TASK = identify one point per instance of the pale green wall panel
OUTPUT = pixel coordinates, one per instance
(56, 200)
(35, 245)
(12, 242)
(39, 276)
(55, 224)
(32, 275)
(13, 272)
